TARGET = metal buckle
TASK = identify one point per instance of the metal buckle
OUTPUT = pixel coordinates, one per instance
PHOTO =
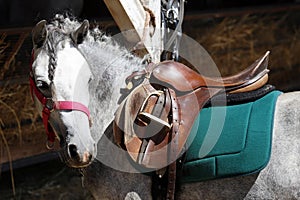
(148, 75)
(90, 121)
(49, 145)
(49, 104)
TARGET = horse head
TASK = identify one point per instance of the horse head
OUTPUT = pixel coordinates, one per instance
(59, 80)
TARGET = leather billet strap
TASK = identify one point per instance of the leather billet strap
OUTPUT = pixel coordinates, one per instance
(173, 145)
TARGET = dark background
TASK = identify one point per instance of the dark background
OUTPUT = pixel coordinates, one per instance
(20, 13)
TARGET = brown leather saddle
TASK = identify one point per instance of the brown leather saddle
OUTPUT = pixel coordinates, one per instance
(154, 121)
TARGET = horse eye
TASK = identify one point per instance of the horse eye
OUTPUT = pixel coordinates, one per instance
(42, 85)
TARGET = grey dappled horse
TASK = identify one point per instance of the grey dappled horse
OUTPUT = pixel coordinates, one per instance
(279, 180)
(74, 64)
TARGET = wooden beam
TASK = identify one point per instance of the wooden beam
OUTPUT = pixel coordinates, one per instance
(129, 15)
(154, 40)
(134, 19)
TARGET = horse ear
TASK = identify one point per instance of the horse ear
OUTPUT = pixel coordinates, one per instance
(39, 34)
(79, 35)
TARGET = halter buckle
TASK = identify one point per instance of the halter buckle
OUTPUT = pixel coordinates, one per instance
(49, 104)
(49, 145)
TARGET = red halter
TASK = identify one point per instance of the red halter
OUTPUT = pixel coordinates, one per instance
(49, 105)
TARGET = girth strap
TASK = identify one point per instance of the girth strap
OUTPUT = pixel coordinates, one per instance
(173, 146)
(163, 108)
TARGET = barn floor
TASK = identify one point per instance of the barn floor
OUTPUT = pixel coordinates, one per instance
(48, 181)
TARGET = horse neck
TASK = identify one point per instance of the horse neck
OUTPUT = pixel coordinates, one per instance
(110, 66)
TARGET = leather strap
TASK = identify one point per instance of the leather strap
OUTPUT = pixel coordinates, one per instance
(157, 109)
(156, 115)
(173, 146)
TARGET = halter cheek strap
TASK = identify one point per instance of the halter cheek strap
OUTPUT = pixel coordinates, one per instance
(49, 105)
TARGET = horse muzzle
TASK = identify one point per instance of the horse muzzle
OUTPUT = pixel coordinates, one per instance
(77, 158)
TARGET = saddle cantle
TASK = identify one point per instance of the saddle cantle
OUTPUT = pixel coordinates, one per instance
(154, 121)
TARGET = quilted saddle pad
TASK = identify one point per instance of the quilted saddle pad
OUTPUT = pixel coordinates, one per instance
(230, 140)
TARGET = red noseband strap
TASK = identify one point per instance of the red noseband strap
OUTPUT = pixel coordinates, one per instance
(71, 105)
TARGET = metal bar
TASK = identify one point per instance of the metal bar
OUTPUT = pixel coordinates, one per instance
(28, 161)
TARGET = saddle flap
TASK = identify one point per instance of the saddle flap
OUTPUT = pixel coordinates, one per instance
(125, 116)
(141, 126)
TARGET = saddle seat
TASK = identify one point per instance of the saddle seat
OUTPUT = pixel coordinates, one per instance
(154, 121)
(184, 79)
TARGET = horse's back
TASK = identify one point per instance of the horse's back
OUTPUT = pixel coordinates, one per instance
(280, 179)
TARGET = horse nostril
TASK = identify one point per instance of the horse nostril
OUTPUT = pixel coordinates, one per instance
(87, 157)
(73, 153)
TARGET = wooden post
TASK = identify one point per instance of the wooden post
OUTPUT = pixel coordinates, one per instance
(137, 16)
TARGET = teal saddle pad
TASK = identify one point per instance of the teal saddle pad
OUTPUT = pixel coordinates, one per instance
(230, 140)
